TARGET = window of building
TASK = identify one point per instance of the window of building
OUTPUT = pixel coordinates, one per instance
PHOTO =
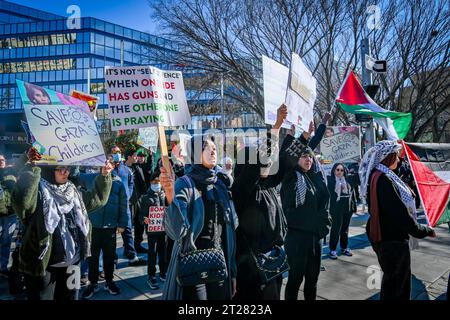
(118, 30)
(109, 27)
(99, 25)
(99, 39)
(109, 41)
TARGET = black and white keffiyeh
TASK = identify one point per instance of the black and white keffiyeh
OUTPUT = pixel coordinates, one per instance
(340, 187)
(59, 200)
(301, 187)
(405, 193)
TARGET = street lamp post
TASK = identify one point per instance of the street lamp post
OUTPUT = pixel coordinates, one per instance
(222, 111)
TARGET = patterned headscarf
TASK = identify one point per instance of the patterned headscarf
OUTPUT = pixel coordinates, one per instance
(372, 159)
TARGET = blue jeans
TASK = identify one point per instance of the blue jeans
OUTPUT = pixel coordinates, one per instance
(8, 225)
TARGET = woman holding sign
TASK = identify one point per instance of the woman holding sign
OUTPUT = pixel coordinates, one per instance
(262, 225)
(54, 213)
(200, 218)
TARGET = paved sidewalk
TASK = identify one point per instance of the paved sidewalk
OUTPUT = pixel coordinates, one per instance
(343, 279)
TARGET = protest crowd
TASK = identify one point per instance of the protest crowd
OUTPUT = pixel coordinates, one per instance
(227, 230)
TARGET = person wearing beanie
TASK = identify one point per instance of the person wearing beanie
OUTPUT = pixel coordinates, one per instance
(150, 208)
(305, 197)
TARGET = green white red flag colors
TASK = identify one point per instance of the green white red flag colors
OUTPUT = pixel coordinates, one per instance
(430, 164)
(353, 99)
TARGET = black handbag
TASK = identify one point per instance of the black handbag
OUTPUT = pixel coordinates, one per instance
(201, 266)
(271, 264)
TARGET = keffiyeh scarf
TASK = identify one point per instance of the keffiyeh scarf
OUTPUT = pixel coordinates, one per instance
(372, 158)
(300, 194)
(59, 200)
(341, 187)
(405, 193)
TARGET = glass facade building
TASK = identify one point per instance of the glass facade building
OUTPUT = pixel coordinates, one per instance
(46, 49)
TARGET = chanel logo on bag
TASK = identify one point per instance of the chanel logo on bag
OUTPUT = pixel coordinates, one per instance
(204, 275)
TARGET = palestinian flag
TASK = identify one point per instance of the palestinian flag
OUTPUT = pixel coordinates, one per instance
(430, 164)
(353, 99)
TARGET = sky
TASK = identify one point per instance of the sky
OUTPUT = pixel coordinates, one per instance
(133, 14)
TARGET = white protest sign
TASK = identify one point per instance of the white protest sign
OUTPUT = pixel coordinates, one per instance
(148, 137)
(65, 135)
(155, 219)
(184, 140)
(145, 96)
(341, 144)
(300, 94)
(275, 77)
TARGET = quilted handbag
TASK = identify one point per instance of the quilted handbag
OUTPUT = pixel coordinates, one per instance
(201, 266)
(271, 264)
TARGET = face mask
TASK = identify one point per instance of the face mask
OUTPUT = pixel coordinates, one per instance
(156, 187)
(117, 157)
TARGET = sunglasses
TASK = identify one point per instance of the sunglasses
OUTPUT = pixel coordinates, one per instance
(340, 170)
(63, 170)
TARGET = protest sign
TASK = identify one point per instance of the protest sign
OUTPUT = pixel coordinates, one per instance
(148, 137)
(341, 144)
(65, 135)
(155, 219)
(275, 77)
(300, 94)
(143, 96)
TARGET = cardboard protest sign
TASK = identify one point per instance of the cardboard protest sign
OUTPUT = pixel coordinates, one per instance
(65, 135)
(275, 77)
(341, 144)
(60, 127)
(155, 219)
(148, 137)
(32, 94)
(300, 94)
(143, 96)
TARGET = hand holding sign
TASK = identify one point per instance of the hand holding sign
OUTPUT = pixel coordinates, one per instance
(326, 117)
(282, 113)
(311, 128)
(33, 155)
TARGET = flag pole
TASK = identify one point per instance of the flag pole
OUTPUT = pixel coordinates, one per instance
(403, 143)
(163, 146)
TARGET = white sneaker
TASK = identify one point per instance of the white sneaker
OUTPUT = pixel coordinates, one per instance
(333, 255)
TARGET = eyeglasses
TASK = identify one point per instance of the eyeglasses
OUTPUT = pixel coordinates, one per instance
(306, 156)
(63, 170)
